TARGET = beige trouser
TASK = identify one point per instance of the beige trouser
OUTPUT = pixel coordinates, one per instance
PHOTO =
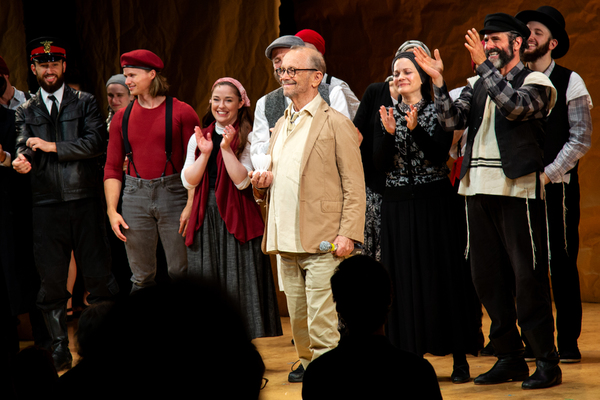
(306, 282)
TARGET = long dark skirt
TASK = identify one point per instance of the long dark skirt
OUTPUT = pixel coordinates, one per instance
(242, 270)
(372, 240)
(435, 305)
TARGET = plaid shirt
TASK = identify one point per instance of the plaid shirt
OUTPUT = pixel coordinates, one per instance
(525, 103)
(580, 135)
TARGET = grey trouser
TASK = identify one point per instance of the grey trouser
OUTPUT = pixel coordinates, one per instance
(152, 208)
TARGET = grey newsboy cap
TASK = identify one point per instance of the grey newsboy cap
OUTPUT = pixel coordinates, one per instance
(283, 41)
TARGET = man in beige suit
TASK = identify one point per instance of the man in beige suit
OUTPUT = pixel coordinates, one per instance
(315, 192)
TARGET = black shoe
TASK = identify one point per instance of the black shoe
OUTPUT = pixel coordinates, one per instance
(297, 374)
(546, 375)
(506, 369)
(570, 356)
(460, 374)
(528, 355)
(487, 350)
(62, 357)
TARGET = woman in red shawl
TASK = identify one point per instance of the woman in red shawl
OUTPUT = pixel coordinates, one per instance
(225, 229)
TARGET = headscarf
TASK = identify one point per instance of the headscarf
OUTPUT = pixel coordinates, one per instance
(239, 87)
(425, 80)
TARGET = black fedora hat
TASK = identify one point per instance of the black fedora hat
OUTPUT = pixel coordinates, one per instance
(554, 21)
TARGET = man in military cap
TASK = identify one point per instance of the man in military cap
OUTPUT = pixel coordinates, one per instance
(152, 132)
(60, 132)
(503, 163)
(568, 137)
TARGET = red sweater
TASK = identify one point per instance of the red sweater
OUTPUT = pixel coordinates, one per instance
(146, 132)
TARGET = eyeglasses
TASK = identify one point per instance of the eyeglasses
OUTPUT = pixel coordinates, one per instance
(291, 71)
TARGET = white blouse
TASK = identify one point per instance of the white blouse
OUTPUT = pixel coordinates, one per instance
(191, 157)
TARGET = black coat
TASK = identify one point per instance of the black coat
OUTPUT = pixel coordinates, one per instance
(18, 276)
(72, 173)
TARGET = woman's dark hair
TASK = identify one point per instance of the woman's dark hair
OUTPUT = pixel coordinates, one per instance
(244, 118)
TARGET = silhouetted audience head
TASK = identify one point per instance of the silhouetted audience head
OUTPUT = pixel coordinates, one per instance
(90, 321)
(34, 375)
(171, 341)
(362, 291)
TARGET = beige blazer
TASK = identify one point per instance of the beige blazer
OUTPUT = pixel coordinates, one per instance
(332, 183)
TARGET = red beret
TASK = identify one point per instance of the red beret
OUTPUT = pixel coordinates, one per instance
(143, 59)
(3, 67)
(312, 37)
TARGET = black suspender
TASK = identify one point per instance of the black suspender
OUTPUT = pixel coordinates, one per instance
(168, 136)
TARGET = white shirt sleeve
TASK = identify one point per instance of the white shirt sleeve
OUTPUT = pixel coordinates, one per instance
(260, 135)
(338, 100)
(577, 89)
(246, 161)
(7, 161)
(189, 160)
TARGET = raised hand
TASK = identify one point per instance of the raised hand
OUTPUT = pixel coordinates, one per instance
(228, 136)
(434, 67)
(475, 46)
(389, 122)
(205, 145)
(411, 118)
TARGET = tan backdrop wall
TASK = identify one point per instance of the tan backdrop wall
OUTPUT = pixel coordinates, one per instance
(201, 41)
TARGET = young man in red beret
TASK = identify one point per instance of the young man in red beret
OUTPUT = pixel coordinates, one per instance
(60, 135)
(152, 132)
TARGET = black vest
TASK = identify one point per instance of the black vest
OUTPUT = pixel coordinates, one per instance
(520, 142)
(557, 130)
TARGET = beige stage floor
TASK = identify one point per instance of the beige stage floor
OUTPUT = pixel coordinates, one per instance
(581, 381)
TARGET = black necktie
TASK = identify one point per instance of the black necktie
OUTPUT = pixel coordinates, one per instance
(54, 111)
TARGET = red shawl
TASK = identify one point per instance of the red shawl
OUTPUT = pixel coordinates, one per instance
(237, 207)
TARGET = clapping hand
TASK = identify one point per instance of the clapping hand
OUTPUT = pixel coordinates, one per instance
(411, 118)
(228, 135)
(205, 145)
(475, 46)
(434, 67)
(388, 120)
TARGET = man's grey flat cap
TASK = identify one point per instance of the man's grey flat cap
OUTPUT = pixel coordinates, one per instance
(283, 41)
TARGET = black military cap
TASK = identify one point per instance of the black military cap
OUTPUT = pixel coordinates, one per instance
(46, 49)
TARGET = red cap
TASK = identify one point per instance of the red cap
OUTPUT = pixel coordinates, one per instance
(3, 67)
(144, 59)
(312, 37)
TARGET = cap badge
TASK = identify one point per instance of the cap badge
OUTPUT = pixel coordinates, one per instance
(47, 44)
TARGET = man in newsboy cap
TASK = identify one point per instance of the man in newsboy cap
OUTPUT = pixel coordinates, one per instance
(503, 163)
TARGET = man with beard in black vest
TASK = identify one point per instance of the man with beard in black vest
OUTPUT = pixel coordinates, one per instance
(568, 137)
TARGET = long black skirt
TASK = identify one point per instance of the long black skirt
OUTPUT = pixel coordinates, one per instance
(435, 308)
(241, 270)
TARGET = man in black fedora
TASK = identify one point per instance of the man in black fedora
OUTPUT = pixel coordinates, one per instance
(505, 111)
(60, 133)
(568, 137)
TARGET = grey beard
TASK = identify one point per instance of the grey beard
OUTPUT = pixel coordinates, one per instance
(503, 58)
